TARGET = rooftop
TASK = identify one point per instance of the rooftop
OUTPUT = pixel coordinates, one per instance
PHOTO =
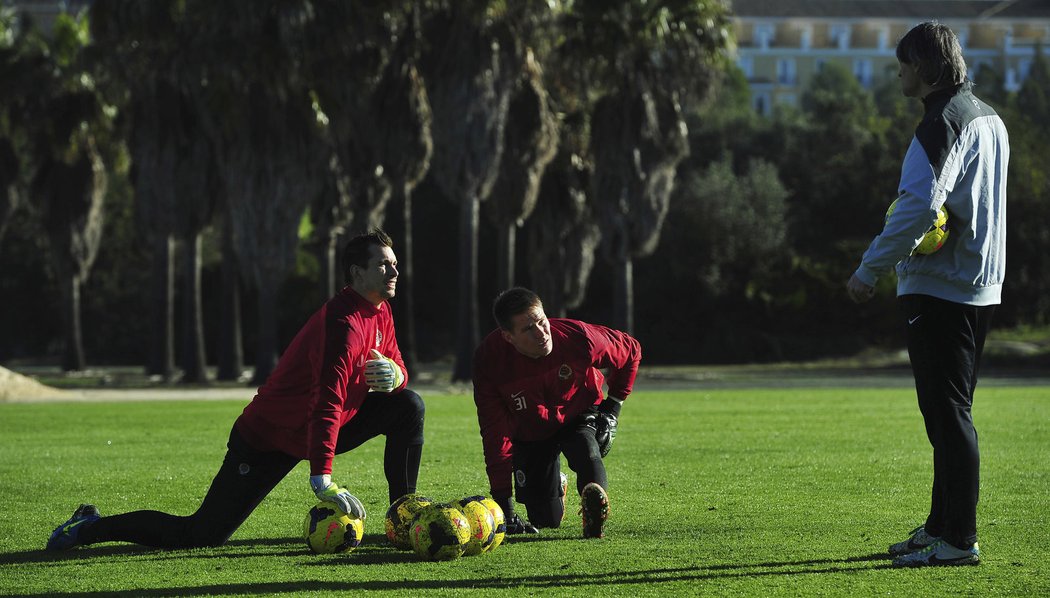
(918, 9)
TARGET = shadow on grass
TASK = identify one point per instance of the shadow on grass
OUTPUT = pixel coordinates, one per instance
(532, 582)
(134, 550)
(375, 551)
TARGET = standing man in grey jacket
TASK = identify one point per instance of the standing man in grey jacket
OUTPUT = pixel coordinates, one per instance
(958, 160)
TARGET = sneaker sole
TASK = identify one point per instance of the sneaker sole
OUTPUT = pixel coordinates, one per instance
(936, 562)
(594, 506)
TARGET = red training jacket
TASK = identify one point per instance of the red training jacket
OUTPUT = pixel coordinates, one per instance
(319, 382)
(522, 398)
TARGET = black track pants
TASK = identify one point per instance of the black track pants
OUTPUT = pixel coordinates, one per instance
(247, 475)
(945, 342)
(537, 469)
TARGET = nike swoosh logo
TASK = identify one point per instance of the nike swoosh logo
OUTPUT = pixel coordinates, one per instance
(933, 560)
(913, 320)
(66, 529)
(517, 394)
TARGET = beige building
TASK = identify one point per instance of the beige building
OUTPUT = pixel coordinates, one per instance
(782, 43)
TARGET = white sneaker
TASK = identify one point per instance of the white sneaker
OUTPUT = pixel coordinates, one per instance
(940, 553)
(919, 539)
(564, 491)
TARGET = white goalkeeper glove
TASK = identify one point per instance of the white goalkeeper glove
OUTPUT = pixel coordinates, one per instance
(328, 491)
(382, 374)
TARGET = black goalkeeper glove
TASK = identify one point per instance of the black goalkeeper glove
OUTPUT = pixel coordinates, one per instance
(605, 432)
(605, 424)
(515, 524)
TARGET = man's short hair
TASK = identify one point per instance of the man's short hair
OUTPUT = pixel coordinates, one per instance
(935, 50)
(356, 252)
(513, 302)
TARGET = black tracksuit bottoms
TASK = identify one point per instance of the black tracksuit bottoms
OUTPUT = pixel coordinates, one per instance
(945, 342)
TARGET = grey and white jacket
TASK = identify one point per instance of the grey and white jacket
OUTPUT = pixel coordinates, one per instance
(958, 158)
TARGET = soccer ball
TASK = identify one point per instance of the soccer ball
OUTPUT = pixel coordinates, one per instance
(482, 525)
(328, 530)
(499, 519)
(935, 237)
(439, 532)
(399, 517)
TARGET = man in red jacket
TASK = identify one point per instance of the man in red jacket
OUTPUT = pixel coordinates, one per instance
(538, 390)
(340, 382)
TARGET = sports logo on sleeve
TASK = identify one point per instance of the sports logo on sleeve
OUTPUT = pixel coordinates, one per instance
(379, 338)
(519, 400)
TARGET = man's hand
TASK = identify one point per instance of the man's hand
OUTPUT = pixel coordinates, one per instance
(515, 524)
(328, 491)
(605, 432)
(382, 374)
(858, 290)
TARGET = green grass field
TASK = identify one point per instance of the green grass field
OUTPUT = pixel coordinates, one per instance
(770, 492)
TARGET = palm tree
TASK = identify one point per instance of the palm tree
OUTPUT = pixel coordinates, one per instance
(405, 146)
(640, 59)
(530, 143)
(197, 189)
(266, 132)
(562, 231)
(172, 171)
(231, 347)
(63, 119)
(470, 69)
(377, 114)
(10, 198)
(10, 166)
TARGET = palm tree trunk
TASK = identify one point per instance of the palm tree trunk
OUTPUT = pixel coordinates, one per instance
(231, 348)
(623, 295)
(73, 356)
(162, 340)
(506, 256)
(266, 349)
(406, 324)
(467, 339)
(194, 366)
(328, 265)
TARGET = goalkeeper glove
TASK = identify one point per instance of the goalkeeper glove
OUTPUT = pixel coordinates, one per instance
(382, 374)
(605, 425)
(326, 490)
(515, 524)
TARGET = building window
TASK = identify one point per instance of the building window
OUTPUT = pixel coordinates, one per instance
(747, 65)
(1013, 82)
(863, 71)
(839, 36)
(760, 102)
(786, 71)
(884, 38)
(764, 35)
(1024, 67)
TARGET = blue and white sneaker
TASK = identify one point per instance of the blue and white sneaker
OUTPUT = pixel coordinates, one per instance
(918, 540)
(66, 536)
(940, 554)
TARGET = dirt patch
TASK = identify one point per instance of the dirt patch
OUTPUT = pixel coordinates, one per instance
(16, 387)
